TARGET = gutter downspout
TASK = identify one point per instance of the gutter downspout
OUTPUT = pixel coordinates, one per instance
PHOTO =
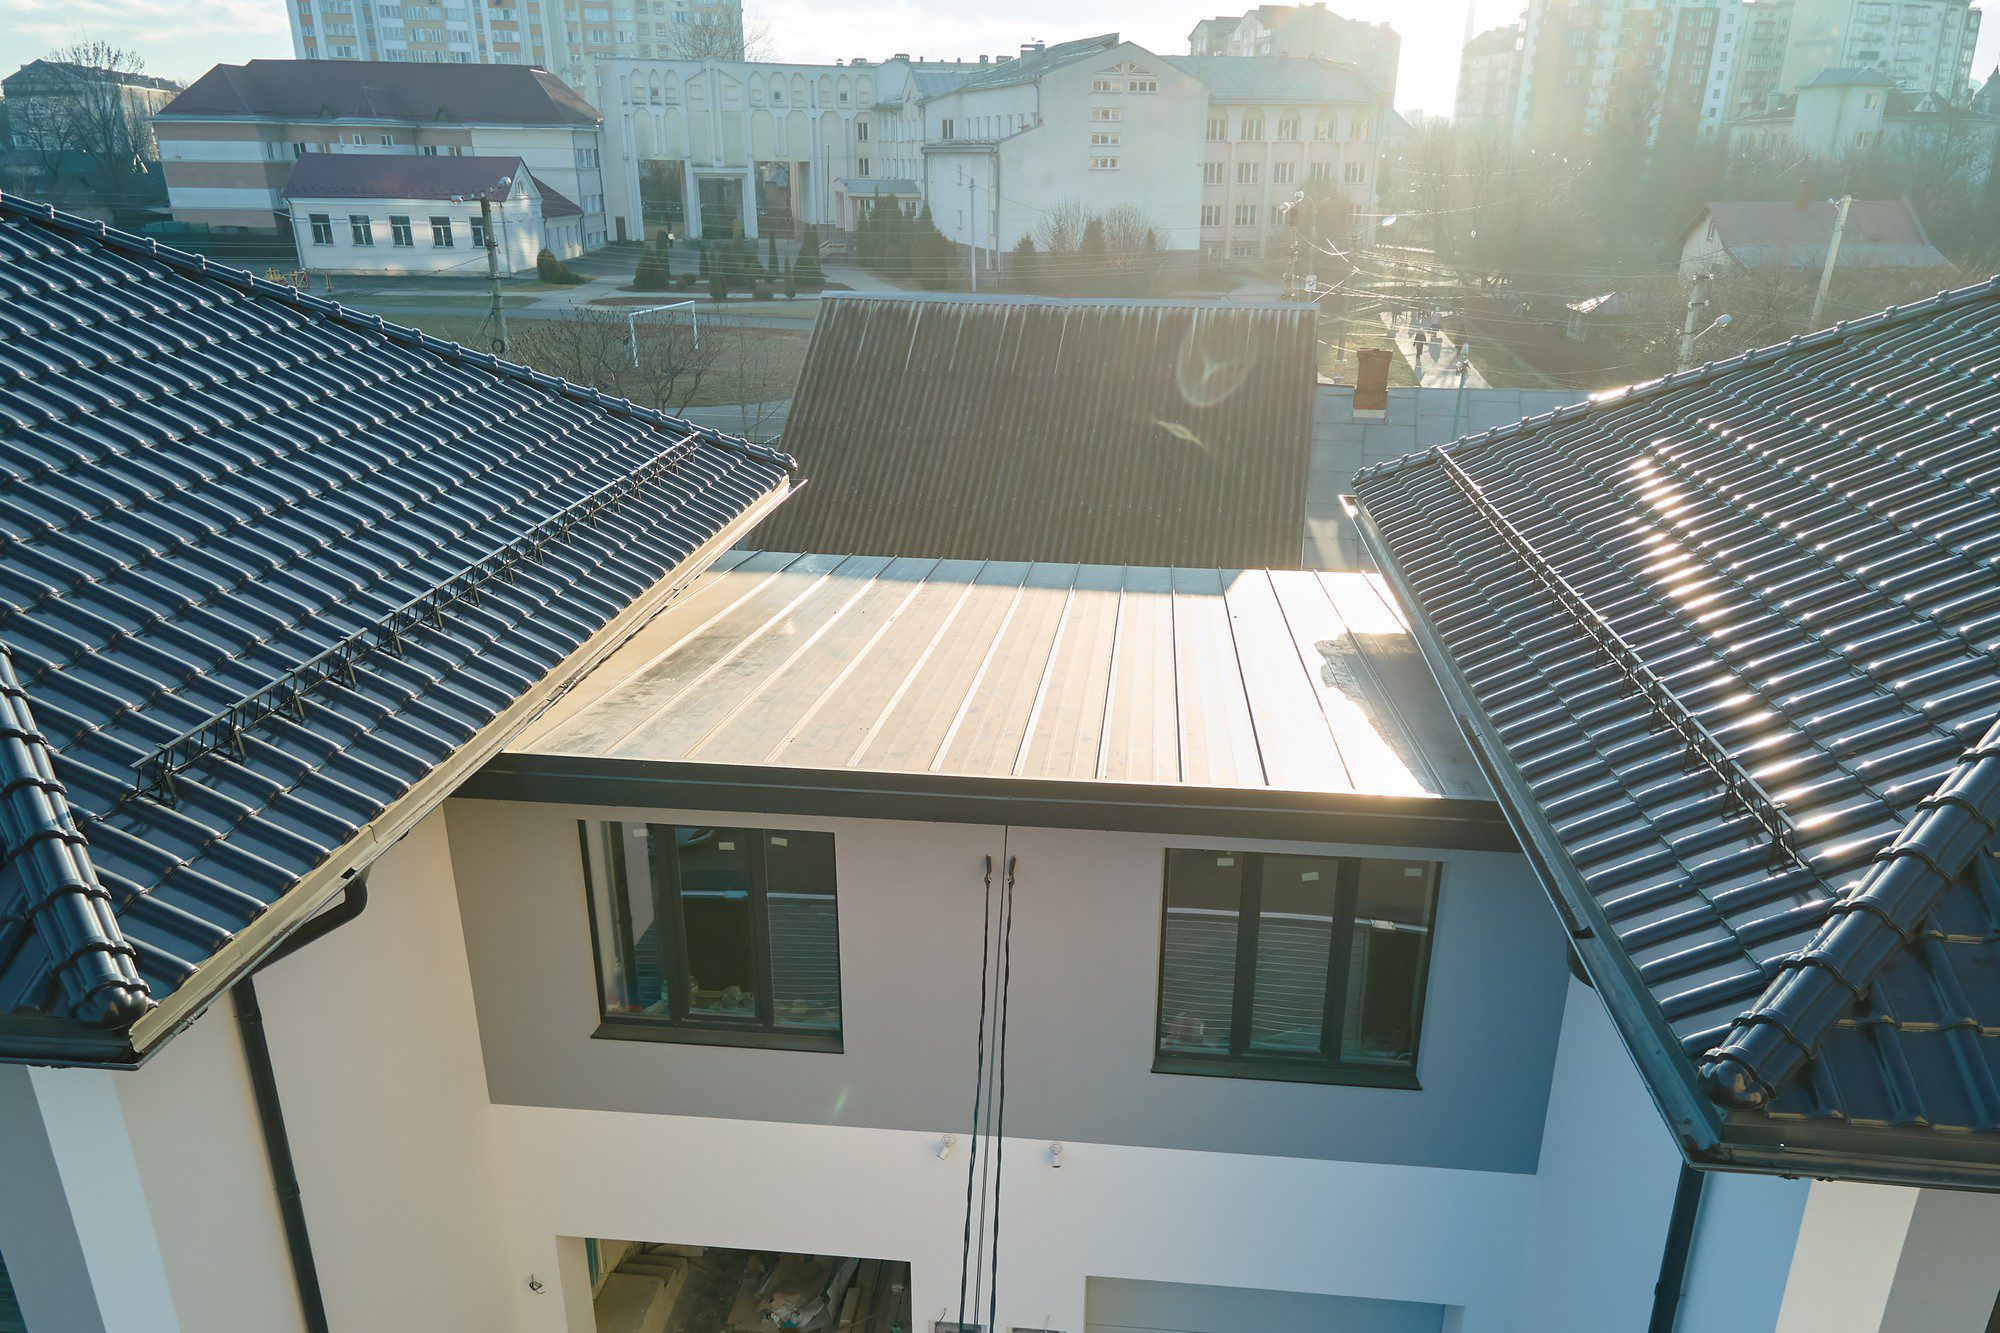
(270, 1112)
(1679, 1248)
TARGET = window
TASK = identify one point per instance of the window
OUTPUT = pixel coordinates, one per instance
(478, 233)
(1104, 164)
(1323, 129)
(1102, 113)
(362, 227)
(322, 228)
(944, 128)
(1288, 129)
(1211, 173)
(863, 165)
(727, 936)
(1249, 173)
(1251, 128)
(384, 140)
(1354, 172)
(1104, 139)
(1104, 83)
(1284, 173)
(1218, 128)
(1142, 85)
(1243, 250)
(399, 232)
(1294, 967)
(1358, 128)
(1246, 215)
(355, 139)
(441, 233)
(1322, 171)
(1211, 215)
(861, 131)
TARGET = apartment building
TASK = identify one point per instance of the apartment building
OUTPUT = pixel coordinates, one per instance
(1841, 113)
(1647, 66)
(566, 37)
(1489, 79)
(1924, 46)
(1304, 30)
(229, 143)
(524, 876)
(1210, 150)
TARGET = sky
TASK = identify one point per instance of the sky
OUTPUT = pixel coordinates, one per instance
(182, 38)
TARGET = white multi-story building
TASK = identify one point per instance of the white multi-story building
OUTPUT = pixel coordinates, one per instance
(1206, 149)
(1303, 30)
(1925, 46)
(565, 36)
(228, 144)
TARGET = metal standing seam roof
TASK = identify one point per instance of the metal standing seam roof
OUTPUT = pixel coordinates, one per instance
(269, 565)
(402, 176)
(1728, 643)
(1017, 428)
(383, 90)
(1248, 680)
(1279, 78)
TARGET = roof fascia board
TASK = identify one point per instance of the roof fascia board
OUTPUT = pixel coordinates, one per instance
(1387, 821)
(249, 947)
(1668, 1074)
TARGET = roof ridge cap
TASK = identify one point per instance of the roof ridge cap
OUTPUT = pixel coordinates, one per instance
(1770, 1043)
(49, 216)
(94, 966)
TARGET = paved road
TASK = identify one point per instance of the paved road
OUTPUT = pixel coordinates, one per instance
(1437, 367)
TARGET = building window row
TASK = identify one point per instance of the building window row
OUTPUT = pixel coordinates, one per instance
(361, 229)
(1305, 968)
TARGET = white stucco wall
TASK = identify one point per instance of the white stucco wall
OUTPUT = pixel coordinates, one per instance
(517, 229)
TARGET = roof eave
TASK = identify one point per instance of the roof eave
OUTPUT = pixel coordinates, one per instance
(1669, 1076)
(1907, 1155)
(256, 941)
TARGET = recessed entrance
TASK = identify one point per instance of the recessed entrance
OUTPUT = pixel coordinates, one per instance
(640, 1287)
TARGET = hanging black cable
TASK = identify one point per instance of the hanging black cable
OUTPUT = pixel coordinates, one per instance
(999, 1153)
(978, 1087)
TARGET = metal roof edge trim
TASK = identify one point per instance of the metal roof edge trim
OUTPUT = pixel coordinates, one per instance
(186, 261)
(1770, 1043)
(1670, 1078)
(1756, 356)
(250, 946)
(1896, 1155)
(1437, 822)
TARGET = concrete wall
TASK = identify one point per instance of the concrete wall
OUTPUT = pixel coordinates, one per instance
(1416, 419)
(1115, 1305)
(518, 230)
(1085, 981)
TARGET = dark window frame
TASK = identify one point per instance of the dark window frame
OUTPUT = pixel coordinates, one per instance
(1240, 1061)
(678, 1025)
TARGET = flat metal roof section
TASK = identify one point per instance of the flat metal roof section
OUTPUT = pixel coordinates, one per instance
(1729, 644)
(1120, 432)
(988, 686)
(277, 574)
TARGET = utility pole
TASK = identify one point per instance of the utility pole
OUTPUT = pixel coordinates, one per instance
(499, 311)
(1697, 302)
(1832, 258)
(972, 231)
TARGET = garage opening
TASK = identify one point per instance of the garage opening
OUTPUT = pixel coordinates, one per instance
(642, 1287)
(1117, 1305)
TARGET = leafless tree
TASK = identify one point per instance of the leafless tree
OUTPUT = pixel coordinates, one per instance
(84, 104)
(721, 34)
(592, 346)
(1059, 231)
(748, 374)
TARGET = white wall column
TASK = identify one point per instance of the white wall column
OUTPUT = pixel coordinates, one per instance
(1850, 1242)
(76, 1231)
(750, 203)
(691, 199)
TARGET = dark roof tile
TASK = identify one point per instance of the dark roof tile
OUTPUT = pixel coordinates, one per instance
(1781, 553)
(268, 564)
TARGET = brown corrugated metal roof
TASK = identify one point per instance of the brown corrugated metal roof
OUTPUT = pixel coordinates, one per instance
(1247, 679)
(1018, 428)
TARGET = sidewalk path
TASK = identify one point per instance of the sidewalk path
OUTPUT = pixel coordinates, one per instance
(1432, 370)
